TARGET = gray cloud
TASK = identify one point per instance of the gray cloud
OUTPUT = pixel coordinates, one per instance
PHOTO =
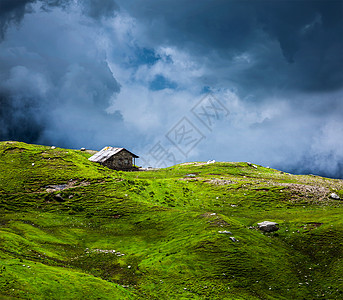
(98, 9)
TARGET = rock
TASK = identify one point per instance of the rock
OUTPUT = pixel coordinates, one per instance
(211, 161)
(53, 147)
(251, 165)
(33, 164)
(225, 231)
(83, 149)
(59, 198)
(233, 239)
(334, 196)
(267, 226)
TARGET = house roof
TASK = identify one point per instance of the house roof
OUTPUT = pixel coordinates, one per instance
(106, 153)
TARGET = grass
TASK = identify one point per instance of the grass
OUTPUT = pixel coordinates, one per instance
(156, 234)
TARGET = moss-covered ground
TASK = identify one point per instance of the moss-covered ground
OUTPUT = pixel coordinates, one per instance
(72, 229)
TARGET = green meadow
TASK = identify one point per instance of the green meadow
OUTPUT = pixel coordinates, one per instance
(73, 229)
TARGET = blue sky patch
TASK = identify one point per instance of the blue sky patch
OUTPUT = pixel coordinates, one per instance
(161, 83)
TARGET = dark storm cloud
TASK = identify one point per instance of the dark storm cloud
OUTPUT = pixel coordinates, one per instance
(308, 36)
(95, 9)
(11, 11)
(98, 9)
(20, 119)
(283, 56)
(55, 80)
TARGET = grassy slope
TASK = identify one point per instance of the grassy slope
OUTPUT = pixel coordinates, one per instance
(166, 224)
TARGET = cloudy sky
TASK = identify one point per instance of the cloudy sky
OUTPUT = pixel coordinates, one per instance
(177, 81)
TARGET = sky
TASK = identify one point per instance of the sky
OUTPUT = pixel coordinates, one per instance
(177, 81)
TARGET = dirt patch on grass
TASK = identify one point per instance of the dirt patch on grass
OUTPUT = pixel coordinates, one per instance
(215, 220)
(14, 150)
(208, 215)
(189, 179)
(311, 225)
(60, 187)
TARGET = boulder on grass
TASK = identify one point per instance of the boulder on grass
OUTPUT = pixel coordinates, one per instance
(59, 198)
(334, 196)
(267, 226)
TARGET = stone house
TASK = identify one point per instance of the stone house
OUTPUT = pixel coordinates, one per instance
(115, 158)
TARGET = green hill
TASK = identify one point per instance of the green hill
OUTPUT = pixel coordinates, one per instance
(72, 229)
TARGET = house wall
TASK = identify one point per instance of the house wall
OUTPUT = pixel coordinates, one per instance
(121, 161)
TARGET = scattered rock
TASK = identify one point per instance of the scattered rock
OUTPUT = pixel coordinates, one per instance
(60, 187)
(233, 239)
(190, 175)
(83, 149)
(303, 190)
(56, 187)
(225, 232)
(334, 196)
(220, 181)
(267, 226)
(88, 251)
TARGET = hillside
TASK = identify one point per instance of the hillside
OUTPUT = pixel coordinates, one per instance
(72, 229)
